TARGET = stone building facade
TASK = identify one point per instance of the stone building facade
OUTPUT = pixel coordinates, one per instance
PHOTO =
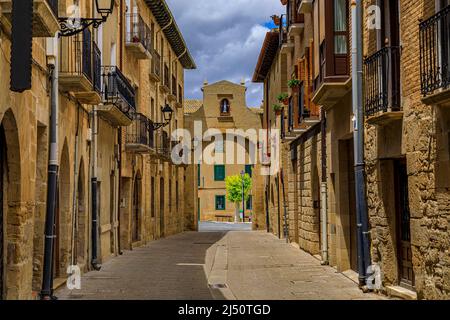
(113, 83)
(407, 146)
(224, 108)
(406, 137)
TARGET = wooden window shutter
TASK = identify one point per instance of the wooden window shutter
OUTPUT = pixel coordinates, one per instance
(301, 70)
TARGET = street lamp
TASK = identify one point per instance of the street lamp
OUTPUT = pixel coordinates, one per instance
(167, 112)
(243, 196)
(73, 25)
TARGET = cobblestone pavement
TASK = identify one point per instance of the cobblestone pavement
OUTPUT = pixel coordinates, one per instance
(216, 265)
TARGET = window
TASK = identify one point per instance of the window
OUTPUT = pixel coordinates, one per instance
(220, 202)
(249, 204)
(218, 146)
(340, 26)
(219, 173)
(224, 106)
(249, 169)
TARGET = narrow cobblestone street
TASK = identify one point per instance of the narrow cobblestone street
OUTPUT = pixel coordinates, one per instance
(196, 265)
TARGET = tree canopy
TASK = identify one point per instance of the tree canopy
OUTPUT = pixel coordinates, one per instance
(234, 187)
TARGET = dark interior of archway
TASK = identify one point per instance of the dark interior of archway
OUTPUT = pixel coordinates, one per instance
(2, 167)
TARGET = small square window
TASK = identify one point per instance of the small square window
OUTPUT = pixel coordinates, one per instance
(220, 202)
(219, 172)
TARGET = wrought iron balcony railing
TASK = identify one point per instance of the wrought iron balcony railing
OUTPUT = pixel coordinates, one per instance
(117, 90)
(435, 52)
(81, 56)
(140, 132)
(164, 144)
(382, 81)
(138, 31)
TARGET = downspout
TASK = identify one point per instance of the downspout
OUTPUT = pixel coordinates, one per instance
(53, 167)
(278, 205)
(119, 165)
(94, 195)
(324, 190)
(358, 135)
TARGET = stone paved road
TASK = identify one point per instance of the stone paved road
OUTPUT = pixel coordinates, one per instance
(252, 265)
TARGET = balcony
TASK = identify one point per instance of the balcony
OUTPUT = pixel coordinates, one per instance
(284, 43)
(301, 115)
(304, 6)
(296, 21)
(138, 36)
(155, 67)
(172, 97)
(435, 58)
(45, 17)
(119, 104)
(382, 86)
(163, 148)
(165, 86)
(140, 135)
(333, 82)
(80, 68)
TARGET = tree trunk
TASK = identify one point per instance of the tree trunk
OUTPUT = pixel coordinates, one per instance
(237, 217)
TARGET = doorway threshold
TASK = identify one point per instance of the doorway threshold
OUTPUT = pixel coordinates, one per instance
(400, 292)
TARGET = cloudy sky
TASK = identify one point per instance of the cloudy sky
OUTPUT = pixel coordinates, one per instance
(224, 37)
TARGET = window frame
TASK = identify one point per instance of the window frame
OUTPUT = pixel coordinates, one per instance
(218, 196)
(221, 107)
(217, 166)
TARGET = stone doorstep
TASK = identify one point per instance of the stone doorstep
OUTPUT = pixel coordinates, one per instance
(400, 292)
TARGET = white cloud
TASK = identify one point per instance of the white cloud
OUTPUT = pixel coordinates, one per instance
(224, 37)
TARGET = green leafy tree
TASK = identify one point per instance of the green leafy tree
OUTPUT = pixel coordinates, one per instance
(234, 190)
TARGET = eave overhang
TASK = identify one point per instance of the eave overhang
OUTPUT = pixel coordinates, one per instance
(267, 55)
(165, 19)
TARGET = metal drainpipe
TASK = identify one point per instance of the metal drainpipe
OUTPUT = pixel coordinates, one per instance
(324, 191)
(360, 187)
(94, 195)
(53, 168)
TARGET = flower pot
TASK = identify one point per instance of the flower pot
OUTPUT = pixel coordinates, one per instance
(283, 2)
(276, 20)
(286, 101)
(278, 112)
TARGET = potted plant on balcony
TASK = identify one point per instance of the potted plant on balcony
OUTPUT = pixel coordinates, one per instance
(135, 39)
(284, 2)
(283, 97)
(276, 20)
(277, 108)
(293, 83)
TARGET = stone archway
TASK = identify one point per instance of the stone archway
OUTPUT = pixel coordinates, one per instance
(136, 214)
(80, 219)
(63, 222)
(10, 203)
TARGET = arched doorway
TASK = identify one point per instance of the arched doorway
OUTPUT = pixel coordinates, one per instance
(136, 219)
(2, 174)
(10, 196)
(80, 219)
(161, 207)
(62, 220)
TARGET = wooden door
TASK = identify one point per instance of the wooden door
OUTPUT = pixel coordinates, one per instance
(353, 230)
(135, 220)
(404, 254)
(161, 207)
